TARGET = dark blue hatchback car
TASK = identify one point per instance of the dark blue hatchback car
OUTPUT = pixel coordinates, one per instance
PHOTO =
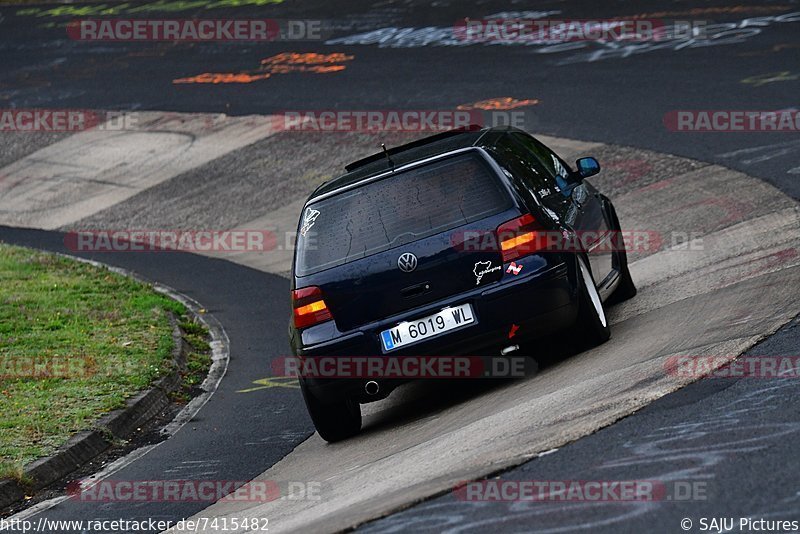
(440, 247)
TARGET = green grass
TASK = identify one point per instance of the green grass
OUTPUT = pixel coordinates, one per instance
(198, 360)
(75, 342)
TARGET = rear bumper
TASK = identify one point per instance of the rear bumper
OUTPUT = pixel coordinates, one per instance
(535, 305)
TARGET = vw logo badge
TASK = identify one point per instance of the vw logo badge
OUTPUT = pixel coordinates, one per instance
(407, 262)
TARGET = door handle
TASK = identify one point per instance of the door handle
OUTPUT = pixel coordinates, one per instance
(415, 290)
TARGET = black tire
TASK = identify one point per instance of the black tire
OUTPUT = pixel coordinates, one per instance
(592, 325)
(626, 289)
(334, 421)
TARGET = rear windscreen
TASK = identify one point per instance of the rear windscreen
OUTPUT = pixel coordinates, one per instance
(396, 210)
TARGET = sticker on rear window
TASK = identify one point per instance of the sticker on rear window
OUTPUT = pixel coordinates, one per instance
(309, 218)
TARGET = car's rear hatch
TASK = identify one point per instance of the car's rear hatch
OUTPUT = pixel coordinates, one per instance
(351, 243)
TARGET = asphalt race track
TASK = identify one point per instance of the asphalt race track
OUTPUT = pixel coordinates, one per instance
(723, 281)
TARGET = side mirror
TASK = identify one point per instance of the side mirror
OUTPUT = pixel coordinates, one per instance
(587, 167)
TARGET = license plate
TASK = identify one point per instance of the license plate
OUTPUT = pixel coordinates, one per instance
(427, 327)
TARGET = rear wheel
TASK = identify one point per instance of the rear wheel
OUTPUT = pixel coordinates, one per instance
(592, 325)
(334, 421)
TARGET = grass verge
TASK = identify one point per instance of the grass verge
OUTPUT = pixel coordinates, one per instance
(75, 342)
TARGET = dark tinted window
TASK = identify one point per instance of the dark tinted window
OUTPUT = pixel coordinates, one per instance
(552, 164)
(524, 164)
(398, 209)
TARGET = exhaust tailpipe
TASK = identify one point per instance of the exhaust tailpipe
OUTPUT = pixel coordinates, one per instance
(372, 387)
(509, 349)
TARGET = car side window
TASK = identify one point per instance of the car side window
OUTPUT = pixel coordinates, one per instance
(526, 167)
(556, 168)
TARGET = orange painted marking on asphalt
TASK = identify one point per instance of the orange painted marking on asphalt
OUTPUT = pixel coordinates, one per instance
(223, 77)
(504, 102)
(284, 63)
(316, 69)
(293, 58)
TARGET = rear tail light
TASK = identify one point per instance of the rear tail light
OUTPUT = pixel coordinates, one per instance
(520, 237)
(309, 307)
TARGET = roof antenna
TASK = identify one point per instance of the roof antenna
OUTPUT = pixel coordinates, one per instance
(386, 153)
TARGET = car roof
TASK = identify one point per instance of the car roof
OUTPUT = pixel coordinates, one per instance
(426, 147)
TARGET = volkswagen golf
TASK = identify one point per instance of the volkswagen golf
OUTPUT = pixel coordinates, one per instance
(444, 246)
